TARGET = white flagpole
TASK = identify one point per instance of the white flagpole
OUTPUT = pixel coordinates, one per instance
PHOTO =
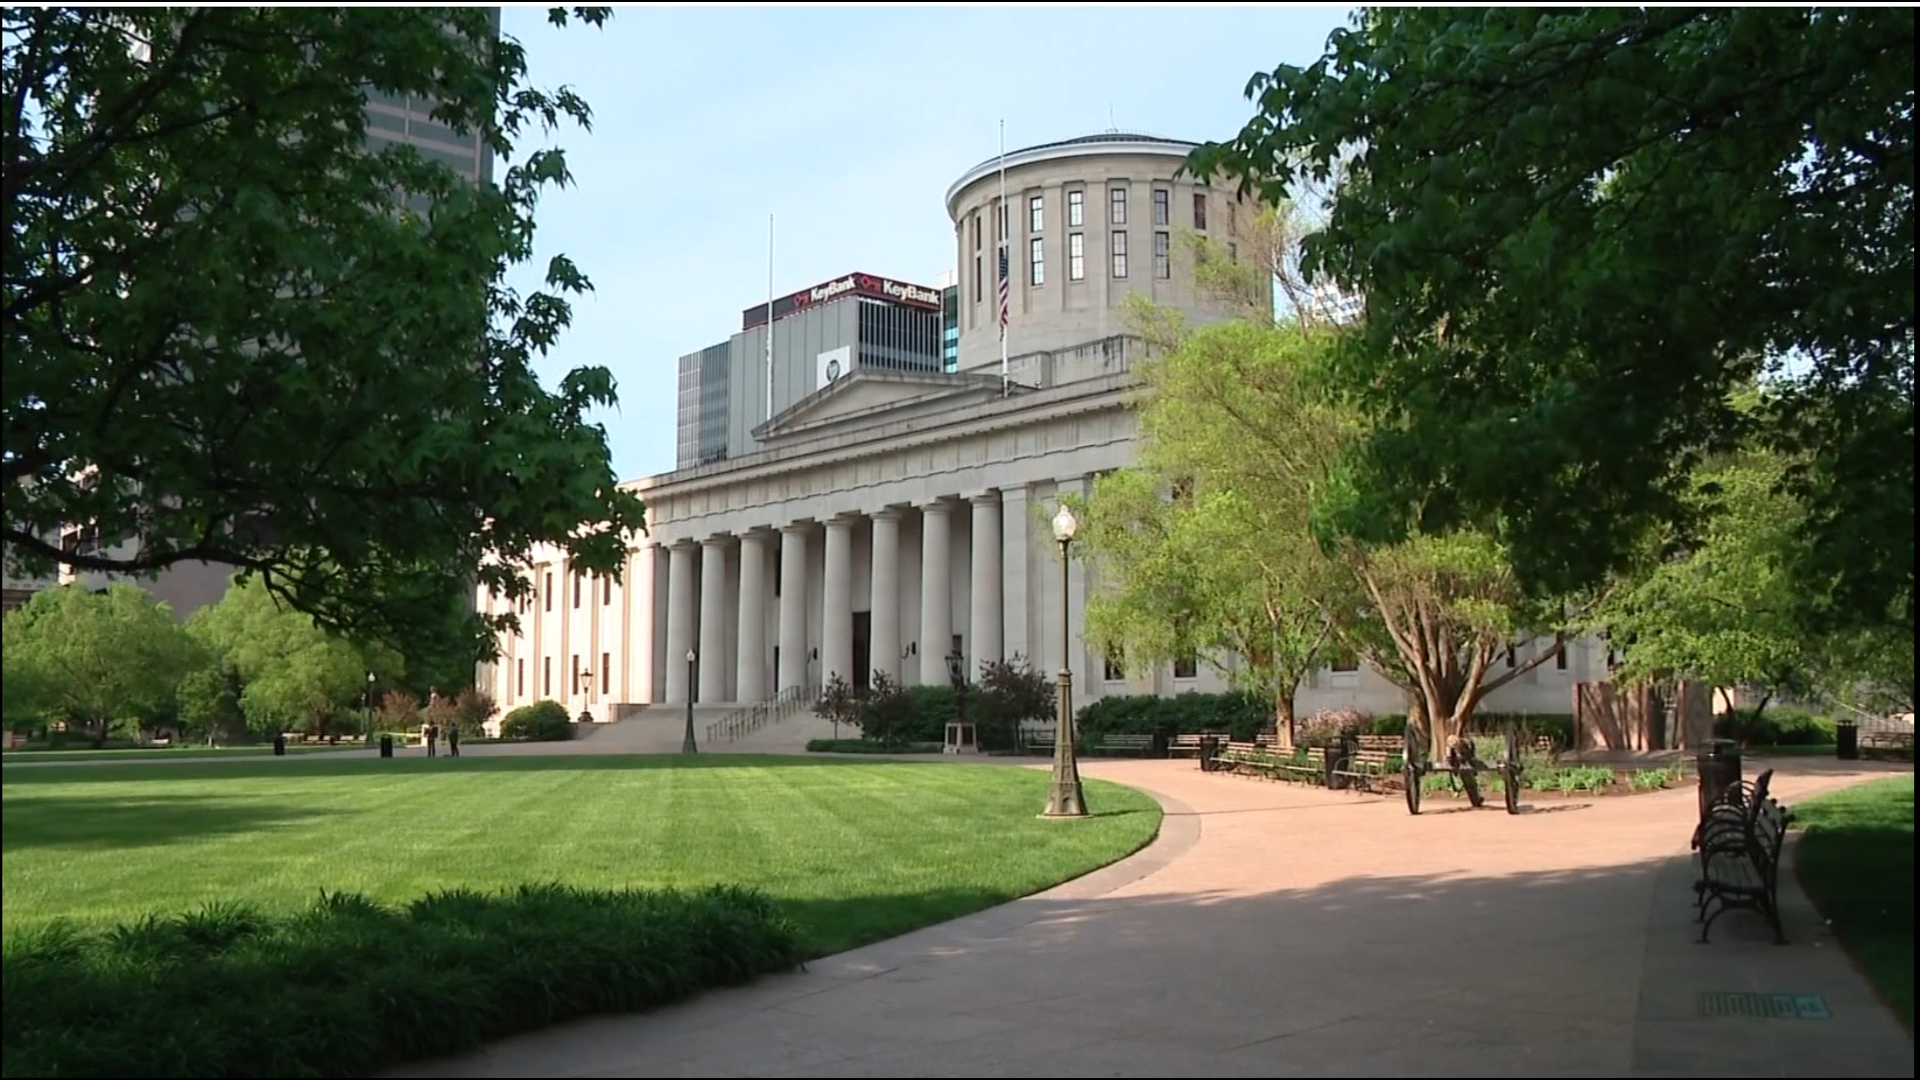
(769, 318)
(1005, 225)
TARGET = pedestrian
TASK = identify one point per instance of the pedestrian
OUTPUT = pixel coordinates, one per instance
(453, 740)
(432, 732)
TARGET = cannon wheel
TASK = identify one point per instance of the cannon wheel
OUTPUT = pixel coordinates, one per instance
(1513, 742)
(1411, 774)
(1409, 744)
(1511, 777)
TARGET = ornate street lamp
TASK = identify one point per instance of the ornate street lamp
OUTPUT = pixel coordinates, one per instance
(687, 744)
(366, 707)
(1064, 797)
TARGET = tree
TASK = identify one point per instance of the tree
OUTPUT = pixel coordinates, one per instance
(471, 710)
(1011, 692)
(398, 710)
(839, 703)
(340, 398)
(98, 660)
(209, 698)
(1725, 607)
(886, 709)
(1228, 566)
(1577, 231)
(294, 673)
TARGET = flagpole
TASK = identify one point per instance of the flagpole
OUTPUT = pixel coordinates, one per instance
(1005, 227)
(769, 318)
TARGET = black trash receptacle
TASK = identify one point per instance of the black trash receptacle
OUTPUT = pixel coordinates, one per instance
(1719, 768)
(386, 746)
(279, 746)
(1846, 740)
(1162, 743)
(1209, 752)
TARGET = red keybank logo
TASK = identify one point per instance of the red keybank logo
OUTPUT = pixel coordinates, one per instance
(872, 285)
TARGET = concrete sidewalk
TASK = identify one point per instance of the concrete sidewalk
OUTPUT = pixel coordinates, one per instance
(1276, 931)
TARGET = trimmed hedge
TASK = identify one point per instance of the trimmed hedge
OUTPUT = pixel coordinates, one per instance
(542, 721)
(869, 746)
(1781, 725)
(350, 987)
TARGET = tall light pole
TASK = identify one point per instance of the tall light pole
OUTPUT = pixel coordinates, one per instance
(1064, 797)
(366, 702)
(687, 743)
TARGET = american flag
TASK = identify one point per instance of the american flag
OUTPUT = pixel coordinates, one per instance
(1004, 290)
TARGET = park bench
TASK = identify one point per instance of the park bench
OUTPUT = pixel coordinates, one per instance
(1304, 765)
(1739, 846)
(1127, 744)
(1042, 741)
(1897, 742)
(1189, 745)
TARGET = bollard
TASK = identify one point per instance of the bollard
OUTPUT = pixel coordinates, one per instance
(1719, 769)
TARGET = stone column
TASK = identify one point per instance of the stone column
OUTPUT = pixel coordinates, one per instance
(986, 585)
(1016, 517)
(713, 620)
(679, 620)
(793, 607)
(884, 650)
(936, 592)
(836, 632)
(750, 678)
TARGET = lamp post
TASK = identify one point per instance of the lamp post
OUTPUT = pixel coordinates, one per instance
(366, 708)
(687, 743)
(586, 697)
(1064, 797)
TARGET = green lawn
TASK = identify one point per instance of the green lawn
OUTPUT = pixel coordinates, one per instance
(856, 851)
(1856, 861)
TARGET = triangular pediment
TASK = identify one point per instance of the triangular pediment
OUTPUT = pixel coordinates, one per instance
(869, 396)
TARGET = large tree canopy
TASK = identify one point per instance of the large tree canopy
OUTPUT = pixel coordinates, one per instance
(236, 332)
(1578, 231)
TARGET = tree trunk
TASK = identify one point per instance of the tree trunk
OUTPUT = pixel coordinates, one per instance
(1283, 720)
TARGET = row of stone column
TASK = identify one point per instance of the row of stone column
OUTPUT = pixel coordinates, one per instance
(706, 632)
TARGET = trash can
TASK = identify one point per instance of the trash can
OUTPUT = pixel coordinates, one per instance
(386, 746)
(1162, 743)
(1209, 751)
(1846, 741)
(1719, 768)
(279, 746)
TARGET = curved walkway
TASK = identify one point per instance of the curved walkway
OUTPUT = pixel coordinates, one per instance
(1276, 931)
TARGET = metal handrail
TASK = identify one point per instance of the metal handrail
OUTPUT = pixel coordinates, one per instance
(748, 719)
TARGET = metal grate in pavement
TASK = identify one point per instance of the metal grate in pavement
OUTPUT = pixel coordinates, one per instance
(1753, 1006)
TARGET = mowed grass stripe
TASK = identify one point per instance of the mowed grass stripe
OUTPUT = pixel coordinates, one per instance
(854, 850)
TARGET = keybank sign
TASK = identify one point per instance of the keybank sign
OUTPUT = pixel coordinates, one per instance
(869, 285)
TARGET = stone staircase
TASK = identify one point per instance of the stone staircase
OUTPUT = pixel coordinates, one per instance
(764, 725)
(657, 729)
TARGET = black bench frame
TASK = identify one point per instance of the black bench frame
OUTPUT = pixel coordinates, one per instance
(1739, 841)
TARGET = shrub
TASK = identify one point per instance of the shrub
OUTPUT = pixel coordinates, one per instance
(868, 746)
(471, 710)
(1329, 727)
(397, 711)
(1238, 714)
(1778, 726)
(888, 712)
(542, 721)
(926, 720)
(350, 987)
(1010, 693)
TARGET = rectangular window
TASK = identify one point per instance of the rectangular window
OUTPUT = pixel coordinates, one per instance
(1117, 206)
(976, 230)
(1513, 657)
(1077, 257)
(1344, 665)
(976, 279)
(546, 676)
(575, 680)
(606, 673)
(1233, 218)
(1162, 207)
(1036, 212)
(1006, 222)
(1200, 211)
(1233, 252)
(547, 593)
(520, 677)
(1120, 254)
(1076, 209)
(1116, 666)
(576, 589)
(1560, 651)
(606, 590)
(1186, 667)
(1036, 262)
(1162, 256)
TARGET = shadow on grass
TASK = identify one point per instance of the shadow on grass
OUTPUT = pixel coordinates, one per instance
(96, 822)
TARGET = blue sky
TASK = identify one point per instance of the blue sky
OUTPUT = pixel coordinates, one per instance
(845, 123)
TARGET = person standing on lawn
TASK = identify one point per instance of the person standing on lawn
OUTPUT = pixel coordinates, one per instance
(432, 733)
(453, 739)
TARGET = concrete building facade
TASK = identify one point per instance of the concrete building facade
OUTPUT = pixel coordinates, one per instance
(885, 518)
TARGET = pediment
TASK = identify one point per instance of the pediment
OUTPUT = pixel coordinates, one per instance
(870, 396)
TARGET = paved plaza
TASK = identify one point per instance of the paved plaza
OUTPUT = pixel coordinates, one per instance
(1278, 931)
